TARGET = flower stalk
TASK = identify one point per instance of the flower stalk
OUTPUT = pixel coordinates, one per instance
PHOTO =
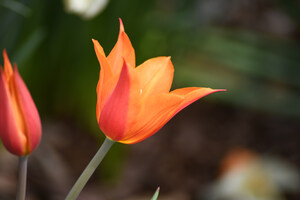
(21, 187)
(89, 170)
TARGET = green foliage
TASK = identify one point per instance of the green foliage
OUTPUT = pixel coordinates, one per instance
(155, 196)
(56, 58)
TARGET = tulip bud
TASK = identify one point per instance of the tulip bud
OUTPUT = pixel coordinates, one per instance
(20, 125)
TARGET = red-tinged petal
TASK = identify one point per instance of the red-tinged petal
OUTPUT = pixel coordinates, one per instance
(159, 109)
(122, 50)
(156, 75)
(30, 113)
(104, 76)
(106, 91)
(121, 107)
(12, 136)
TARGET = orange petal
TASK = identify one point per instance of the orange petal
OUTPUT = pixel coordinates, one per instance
(7, 66)
(156, 75)
(104, 76)
(121, 107)
(122, 50)
(30, 113)
(191, 94)
(159, 109)
(13, 138)
(156, 111)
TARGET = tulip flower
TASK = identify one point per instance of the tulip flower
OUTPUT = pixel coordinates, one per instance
(133, 102)
(20, 125)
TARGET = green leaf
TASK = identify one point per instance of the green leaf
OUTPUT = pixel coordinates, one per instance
(156, 194)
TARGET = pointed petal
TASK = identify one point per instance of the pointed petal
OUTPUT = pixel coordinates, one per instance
(30, 113)
(7, 66)
(192, 94)
(156, 75)
(10, 132)
(104, 76)
(122, 50)
(120, 108)
(159, 109)
(105, 66)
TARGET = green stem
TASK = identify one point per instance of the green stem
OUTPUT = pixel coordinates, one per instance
(89, 170)
(21, 187)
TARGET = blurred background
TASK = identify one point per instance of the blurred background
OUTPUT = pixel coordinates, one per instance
(242, 144)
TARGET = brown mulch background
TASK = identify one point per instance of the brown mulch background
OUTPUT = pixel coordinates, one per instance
(182, 158)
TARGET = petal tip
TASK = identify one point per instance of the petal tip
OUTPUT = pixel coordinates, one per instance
(7, 65)
(16, 69)
(98, 48)
(220, 90)
(94, 41)
(4, 53)
(215, 90)
(5, 56)
(121, 25)
(168, 58)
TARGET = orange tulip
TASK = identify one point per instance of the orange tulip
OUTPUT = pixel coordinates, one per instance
(20, 125)
(133, 103)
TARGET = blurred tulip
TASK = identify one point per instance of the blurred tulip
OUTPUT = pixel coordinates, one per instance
(133, 103)
(85, 8)
(248, 176)
(20, 125)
